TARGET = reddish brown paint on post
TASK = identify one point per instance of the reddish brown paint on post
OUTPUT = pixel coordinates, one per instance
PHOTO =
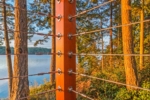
(65, 45)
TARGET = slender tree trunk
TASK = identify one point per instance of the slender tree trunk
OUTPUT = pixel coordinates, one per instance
(129, 61)
(102, 52)
(142, 37)
(52, 66)
(102, 41)
(118, 41)
(20, 85)
(110, 32)
(8, 50)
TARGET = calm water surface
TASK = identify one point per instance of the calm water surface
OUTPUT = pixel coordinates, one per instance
(37, 64)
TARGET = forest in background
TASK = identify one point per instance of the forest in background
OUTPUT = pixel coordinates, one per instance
(31, 50)
(109, 41)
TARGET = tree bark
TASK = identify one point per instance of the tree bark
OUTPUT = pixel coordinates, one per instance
(102, 42)
(110, 33)
(102, 52)
(8, 50)
(129, 61)
(118, 40)
(142, 37)
(53, 50)
(20, 85)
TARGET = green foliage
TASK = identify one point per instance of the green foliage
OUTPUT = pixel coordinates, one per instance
(92, 43)
(41, 41)
(39, 22)
(101, 90)
(36, 89)
(94, 1)
(10, 22)
(124, 94)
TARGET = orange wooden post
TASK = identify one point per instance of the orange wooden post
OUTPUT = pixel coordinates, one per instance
(65, 45)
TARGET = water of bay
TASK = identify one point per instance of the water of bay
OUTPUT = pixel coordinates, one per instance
(36, 64)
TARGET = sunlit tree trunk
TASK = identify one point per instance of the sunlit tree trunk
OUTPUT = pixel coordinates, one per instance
(110, 33)
(129, 61)
(52, 66)
(142, 37)
(8, 50)
(118, 40)
(102, 52)
(20, 86)
(102, 44)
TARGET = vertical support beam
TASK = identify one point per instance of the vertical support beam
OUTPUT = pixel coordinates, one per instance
(64, 45)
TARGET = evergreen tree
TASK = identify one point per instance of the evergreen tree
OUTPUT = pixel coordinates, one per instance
(129, 61)
(20, 87)
(8, 50)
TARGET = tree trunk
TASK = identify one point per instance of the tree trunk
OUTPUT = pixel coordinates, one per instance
(102, 52)
(8, 50)
(118, 41)
(129, 61)
(52, 66)
(102, 41)
(110, 32)
(142, 37)
(20, 85)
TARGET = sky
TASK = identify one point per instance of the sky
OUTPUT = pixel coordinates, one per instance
(35, 37)
(33, 40)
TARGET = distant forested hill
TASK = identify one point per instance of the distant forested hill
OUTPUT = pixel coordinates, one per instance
(31, 50)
